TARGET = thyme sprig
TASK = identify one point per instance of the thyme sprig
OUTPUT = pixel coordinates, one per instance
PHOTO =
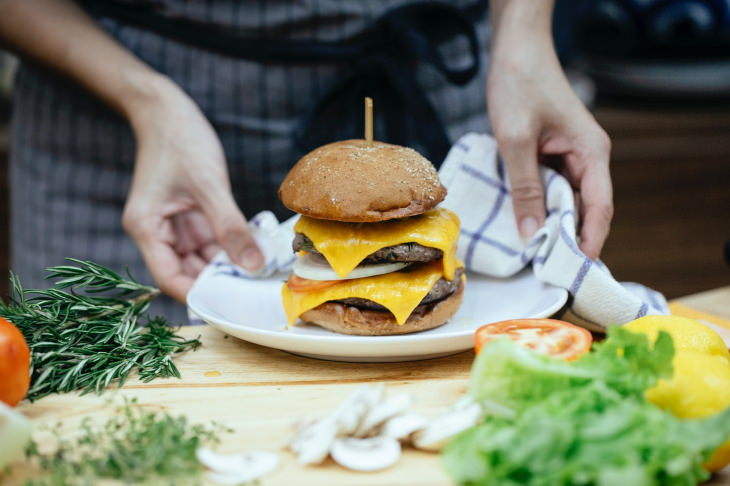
(134, 446)
(91, 329)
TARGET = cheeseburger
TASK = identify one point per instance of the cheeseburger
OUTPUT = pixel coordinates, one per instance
(374, 254)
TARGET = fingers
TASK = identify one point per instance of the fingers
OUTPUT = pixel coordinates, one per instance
(193, 234)
(596, 212)
(520, 157)
(192, 264)
(596, 202)
(231, 231)
(167, 270)
(209, 251)
(154, 241)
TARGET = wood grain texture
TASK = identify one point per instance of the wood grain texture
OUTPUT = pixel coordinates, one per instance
(262, 392)
(245, 364)
(263, 410)
(715, 301)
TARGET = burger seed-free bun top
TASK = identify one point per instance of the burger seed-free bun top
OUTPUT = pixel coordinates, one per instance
(361, 182)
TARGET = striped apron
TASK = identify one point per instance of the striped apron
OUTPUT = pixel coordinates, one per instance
(72, 157)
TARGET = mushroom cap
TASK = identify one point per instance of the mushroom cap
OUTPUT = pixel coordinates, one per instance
(236, 468)
(370, 454)
(435, 435)
(402, 426)
(313, 441)
(387, 408)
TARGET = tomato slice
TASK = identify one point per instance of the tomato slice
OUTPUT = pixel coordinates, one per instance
(555, 338)
(299, 284)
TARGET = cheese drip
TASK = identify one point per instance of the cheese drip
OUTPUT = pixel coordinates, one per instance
(399, 292)
(346, 245)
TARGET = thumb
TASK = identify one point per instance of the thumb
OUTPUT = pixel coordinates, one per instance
(231, 231)
(528, 197)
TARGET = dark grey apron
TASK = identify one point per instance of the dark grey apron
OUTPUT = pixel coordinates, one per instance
(72, 158)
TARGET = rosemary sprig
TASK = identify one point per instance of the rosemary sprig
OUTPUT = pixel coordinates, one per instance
(88, 330)
(135, 446)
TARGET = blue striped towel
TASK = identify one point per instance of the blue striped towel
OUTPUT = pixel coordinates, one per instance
(478, 191)
(490, 242)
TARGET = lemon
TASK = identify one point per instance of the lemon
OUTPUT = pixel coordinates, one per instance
(700, 385)
(687, 334)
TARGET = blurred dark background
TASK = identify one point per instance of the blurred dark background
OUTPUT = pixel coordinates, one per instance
(659, 71)
(656, 74)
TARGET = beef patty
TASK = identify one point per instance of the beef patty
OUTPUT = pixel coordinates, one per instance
(440, 290)
(405, 252)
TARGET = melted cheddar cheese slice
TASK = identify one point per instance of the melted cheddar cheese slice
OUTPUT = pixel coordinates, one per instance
(399, 292)
(345, 245)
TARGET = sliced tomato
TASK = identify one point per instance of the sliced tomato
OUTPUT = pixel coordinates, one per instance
(299, 284)
(555, 338)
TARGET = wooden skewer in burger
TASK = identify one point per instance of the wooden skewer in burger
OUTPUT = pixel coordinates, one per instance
(375, 255)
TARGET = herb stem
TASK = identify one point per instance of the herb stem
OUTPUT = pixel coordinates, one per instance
(91, 329)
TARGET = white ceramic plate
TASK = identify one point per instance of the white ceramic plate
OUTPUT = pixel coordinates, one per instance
(251, 310)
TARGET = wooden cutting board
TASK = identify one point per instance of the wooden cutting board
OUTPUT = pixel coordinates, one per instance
(261, 392)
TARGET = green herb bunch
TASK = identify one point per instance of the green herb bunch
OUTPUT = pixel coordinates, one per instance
(135, 446)
(91, 328)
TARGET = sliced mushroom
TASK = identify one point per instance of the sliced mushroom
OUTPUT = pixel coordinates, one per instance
(349, 414)
(387, 408)
(312, 442)
(237, 468)
(370, 454)
(223, 478)
(445, 426)
(401, 427)
(463, 402)
(218, 462)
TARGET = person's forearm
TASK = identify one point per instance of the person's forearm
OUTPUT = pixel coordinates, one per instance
(517, 24)
(58, 34)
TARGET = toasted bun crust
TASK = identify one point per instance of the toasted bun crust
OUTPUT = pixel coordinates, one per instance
(357, 182)
(347, 319)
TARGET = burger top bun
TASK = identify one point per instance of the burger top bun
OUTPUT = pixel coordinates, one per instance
(360, 182)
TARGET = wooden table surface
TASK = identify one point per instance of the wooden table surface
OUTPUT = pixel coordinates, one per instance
(261, 392)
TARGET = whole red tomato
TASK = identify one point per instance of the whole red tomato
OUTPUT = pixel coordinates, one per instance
(14, 364)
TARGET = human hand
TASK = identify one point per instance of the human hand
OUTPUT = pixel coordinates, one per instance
(180, 210)
(537, 118)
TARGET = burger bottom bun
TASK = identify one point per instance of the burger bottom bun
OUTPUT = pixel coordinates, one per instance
(347, 319)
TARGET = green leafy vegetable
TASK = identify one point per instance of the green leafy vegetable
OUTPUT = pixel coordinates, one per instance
(505, 378)
(552, 423)
(135, 446)
(587, 436)
(628, 363)
(88, 330)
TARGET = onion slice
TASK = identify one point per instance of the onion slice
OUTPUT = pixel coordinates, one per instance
(312, 267)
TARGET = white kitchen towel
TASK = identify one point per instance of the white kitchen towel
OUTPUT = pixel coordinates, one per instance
(479, 192)
(490, 244)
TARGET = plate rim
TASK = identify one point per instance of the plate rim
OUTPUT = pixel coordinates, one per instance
(419, 337)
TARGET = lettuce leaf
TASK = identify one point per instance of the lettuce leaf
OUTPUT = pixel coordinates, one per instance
(506, 377)
(592, 435)
(552, 423)
(628, 362)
